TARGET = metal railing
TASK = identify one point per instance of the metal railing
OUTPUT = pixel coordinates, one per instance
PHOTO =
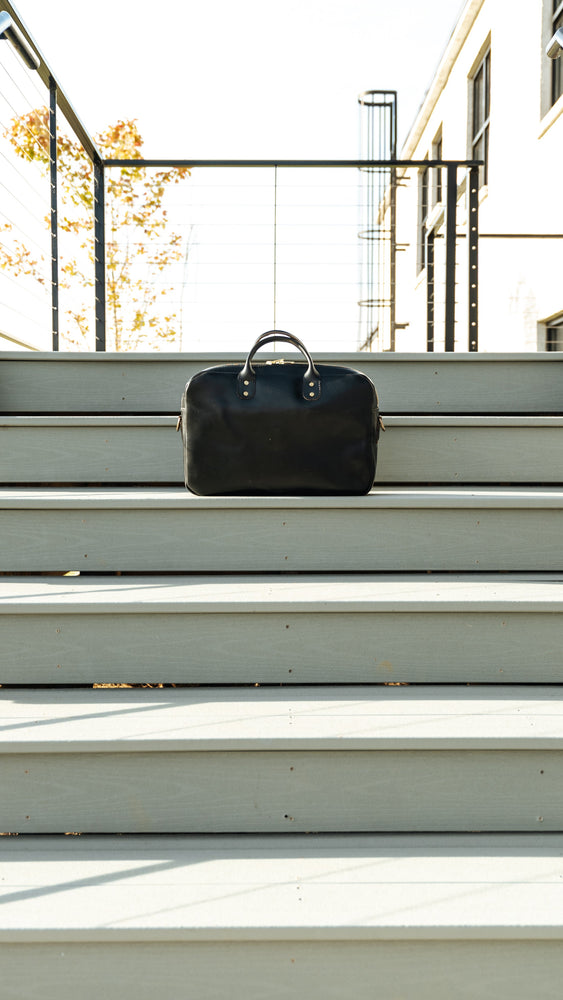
(283, 228)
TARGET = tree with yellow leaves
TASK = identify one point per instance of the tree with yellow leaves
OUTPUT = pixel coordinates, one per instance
(140, 245)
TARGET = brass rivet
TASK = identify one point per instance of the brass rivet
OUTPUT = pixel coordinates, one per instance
(311, 393)
(311, 384)
(245, 394)
(247, 383)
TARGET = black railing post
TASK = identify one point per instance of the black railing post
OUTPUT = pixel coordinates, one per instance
(100, 254)
(430, 291)
(54, 214)
(275, 273)
(473, 258)
(450, 256)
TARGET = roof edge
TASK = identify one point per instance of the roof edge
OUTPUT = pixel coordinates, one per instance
(456, 42)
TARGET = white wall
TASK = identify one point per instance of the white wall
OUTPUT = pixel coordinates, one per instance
(520, 280)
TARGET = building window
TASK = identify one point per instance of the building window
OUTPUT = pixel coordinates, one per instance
(557, 64)
(554, 334)
(437, 154)
(481, 105)
(423, 206)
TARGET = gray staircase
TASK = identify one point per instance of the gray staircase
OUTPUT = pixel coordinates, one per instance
(281, 747)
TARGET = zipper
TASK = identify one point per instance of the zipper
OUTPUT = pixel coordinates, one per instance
(282, 361)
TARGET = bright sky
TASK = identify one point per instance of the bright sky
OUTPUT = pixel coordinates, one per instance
(245, 79)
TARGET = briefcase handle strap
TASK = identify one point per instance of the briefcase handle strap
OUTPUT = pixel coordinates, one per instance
(281, 335)
(246, 379)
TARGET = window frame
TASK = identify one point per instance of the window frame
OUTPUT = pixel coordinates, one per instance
(554, 334)
(481, 114)
(437, 179)
(556, 84)
(423, 214)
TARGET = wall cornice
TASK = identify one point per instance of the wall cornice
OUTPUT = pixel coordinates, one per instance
(457, 40)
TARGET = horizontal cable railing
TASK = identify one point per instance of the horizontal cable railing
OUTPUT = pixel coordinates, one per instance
(25, 302)
(256, 244)
(45, 251)
(116, 252)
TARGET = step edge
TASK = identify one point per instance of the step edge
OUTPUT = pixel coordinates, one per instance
(288, 745)
(383, 498)
(484, 932)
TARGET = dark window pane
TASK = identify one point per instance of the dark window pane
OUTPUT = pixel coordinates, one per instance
(557, 66)
(424, 196)
(478, 102)
(487, 86)
(422, 216)
(554, 338)
(481, 152)
(481, 111)
(486, 157)
(437, 153)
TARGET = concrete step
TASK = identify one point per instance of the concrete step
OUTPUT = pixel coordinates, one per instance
(281, 628)
(45, 382)
(414, 449)
(274, 760)
(215, 917)
(392, 529)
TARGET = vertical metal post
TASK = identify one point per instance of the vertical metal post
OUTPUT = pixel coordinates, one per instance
(393, 262)
(378, 272)
(275, 275)
(54, 214)
(450, 256)
(430, 293)
(473, 258)
(100, 254)
(393, 115)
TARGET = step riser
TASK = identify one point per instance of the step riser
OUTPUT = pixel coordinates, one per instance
(278, 539)
(406, 384)
(221, 792)
(283, 970)
(153, 454)
(281, 648)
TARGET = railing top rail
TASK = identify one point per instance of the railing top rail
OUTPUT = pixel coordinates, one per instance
(48, 78)
(169, 163)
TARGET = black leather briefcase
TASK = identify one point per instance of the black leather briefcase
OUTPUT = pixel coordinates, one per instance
(279, 427)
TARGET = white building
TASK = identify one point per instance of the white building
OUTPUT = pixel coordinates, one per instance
(496, 97)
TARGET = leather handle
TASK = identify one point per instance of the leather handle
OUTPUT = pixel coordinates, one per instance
(281, 335)
(246, 379)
